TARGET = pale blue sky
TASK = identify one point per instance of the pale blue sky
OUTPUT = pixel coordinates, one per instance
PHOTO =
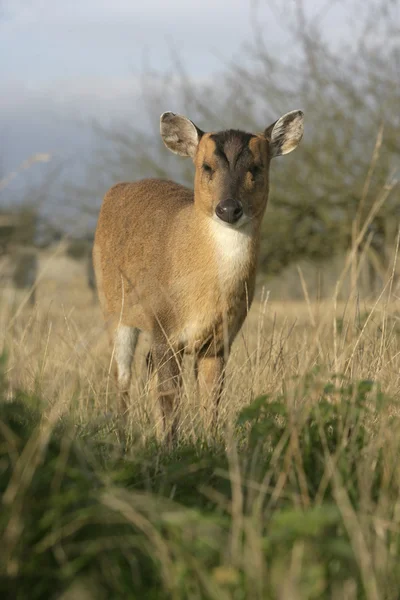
(48, 44)
(80, 59)
(48, 40)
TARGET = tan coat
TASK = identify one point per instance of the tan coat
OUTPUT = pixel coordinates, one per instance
(181, 264)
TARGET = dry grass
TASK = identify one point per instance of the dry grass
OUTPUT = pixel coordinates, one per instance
(297, 501)
(60, 348)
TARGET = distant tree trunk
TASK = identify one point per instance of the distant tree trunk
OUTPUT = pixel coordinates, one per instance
(25, 272)
(91, 280)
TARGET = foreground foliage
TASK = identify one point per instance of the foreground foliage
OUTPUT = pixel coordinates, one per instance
(299, 501)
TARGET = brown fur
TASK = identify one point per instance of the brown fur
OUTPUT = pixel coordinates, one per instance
(155, 285)
(166, 266)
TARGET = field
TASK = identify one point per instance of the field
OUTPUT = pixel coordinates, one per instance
(297, 497)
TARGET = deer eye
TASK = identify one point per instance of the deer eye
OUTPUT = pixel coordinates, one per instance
(207, 168)
(255, 170)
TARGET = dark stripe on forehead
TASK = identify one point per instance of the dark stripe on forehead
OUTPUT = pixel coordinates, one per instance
(244, 153)
(231, 143)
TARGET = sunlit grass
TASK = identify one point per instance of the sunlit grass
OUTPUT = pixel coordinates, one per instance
(296, 497)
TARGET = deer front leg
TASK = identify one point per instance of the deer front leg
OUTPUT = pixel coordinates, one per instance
(125, 342)
(168, 365)
(210, 371)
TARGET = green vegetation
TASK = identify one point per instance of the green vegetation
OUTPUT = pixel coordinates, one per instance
(300, 502)
(297, 498)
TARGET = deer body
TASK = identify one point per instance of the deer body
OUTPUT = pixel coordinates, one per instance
(181, 264)
(188, 276)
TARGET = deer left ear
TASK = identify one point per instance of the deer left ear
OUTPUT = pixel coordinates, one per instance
(285, 134)
(179, 134)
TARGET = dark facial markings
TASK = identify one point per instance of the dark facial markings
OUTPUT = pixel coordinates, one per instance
(232, 147)
(208, 169)
(230, 144)
(255, 171)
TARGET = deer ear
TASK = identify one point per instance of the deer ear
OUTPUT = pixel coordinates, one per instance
(285, 134)
(179, 134)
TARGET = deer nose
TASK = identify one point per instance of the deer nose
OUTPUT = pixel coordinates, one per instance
(229, 210)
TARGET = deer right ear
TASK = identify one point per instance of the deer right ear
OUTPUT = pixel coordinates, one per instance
(285, 134)
(179, 134)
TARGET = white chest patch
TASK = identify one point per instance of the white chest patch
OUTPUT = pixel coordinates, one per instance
(233, 247)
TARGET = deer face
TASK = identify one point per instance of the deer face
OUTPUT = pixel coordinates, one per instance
(232, 167)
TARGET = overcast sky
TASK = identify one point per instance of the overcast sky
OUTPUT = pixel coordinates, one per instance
(86, 43)
(74, 46)
(82, 58)
(54, 39)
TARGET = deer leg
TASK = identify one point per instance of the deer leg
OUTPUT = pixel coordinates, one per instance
(149, 363)
(168, 365)
(210, 372)
(125, 340)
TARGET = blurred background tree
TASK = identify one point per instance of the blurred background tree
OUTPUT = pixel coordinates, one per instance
(322, 195)
(341, 183)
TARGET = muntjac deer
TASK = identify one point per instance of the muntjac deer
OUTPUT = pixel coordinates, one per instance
(181, 264)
